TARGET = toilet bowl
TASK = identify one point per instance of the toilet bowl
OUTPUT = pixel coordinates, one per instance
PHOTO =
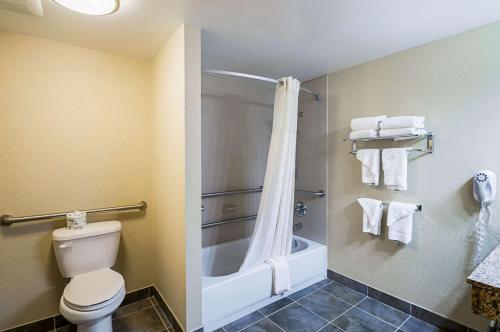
(90, 299)
(95, 291)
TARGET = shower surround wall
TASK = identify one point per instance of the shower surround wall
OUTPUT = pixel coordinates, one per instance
(237, 117)
(455, 83)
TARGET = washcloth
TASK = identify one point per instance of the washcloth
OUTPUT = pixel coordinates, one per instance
(402, 131)
(366, 133)
(372, 215)
(281, 274)
(403, 122)
(395, 165)
(367, 123)
(370, 165)
(400, 221)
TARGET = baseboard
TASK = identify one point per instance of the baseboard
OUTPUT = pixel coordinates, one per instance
(400, 304)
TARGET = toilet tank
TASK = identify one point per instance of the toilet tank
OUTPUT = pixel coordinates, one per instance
(87, 249)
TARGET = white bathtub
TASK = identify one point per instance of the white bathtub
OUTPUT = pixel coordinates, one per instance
(229, 294)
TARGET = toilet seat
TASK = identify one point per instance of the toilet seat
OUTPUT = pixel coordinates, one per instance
(93, 290)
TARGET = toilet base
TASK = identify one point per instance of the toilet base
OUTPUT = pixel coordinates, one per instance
(102, 325)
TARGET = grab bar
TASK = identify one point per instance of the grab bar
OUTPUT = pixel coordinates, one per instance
(319, 193)
(7, 220)
(227, 221)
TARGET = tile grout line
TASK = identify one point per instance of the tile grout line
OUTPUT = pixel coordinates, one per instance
(403, 323)
(130, 313)
(158, 314)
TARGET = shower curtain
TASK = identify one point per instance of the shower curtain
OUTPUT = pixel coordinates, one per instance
(272, 234)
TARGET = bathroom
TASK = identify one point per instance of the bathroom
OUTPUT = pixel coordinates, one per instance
(138, 137)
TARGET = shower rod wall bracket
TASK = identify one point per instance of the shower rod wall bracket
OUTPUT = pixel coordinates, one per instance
(7, 220)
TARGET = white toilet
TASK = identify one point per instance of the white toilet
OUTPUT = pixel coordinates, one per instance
(95, 291)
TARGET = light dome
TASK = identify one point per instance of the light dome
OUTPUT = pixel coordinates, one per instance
(91, 7)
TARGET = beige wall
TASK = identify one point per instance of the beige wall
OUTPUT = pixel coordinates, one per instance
(176, 175)
(455, 83)
(74, 127)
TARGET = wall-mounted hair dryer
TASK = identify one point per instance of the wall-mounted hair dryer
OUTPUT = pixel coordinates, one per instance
(485, 192)
(485, 187)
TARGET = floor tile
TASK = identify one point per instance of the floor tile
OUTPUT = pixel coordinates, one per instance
(344, 293)
(308, 290)
(42, 325)
(351, 283)
(145, 320)
(265, 325)
(327, 306)
(163, 316)
(67, 328)
(416, 325)
(244, 322)
(330, 328)
(389, 300)
(297, 318)
(129, 308)
(383, 311)
(275, 306)
(356, 320)
(220, 330)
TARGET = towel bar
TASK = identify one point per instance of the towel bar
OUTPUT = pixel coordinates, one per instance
(419, 207)
(429, 137)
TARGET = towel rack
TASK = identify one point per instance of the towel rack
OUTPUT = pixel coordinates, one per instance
(419, 207)
(7, 220)
(429, 137)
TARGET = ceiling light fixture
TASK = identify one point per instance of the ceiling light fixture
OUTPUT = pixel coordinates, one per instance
(91, 7)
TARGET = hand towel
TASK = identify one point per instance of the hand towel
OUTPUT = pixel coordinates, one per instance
(367, 123)
(403, 122)
(370, 165)
(402, 131)
(281, 274)
(400, 221)
(395, 165)
(372, 215)
(367, 133)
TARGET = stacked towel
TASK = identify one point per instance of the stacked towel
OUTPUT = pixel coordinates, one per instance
(400, 221)
(402, 125)
(281, 274)
(366, 127)
(395, 165)
(372, 215)
(396, 122)
(370, 165)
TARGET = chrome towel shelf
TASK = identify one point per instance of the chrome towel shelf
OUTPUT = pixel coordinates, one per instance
(7, 220)
(419, 207)
(429, 137)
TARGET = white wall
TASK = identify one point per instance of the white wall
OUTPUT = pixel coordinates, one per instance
(455, 83)
(176, 175)
(75, 127)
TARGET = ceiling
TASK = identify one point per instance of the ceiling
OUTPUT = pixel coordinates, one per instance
(272, 38)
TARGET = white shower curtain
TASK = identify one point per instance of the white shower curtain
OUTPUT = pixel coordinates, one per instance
(272, 234)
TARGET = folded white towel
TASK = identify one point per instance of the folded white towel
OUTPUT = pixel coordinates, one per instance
(372, 215)
(281, 274)
(402, 131)
(395, 165)
(403, 122)
(367, 123)
(400, 221)
(366, 133)
(370, 165)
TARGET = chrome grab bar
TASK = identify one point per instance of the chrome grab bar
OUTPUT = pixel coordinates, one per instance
(227, 221)
(7, 220)
(319, 193)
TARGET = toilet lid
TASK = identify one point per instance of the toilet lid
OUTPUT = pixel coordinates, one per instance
(91, 288)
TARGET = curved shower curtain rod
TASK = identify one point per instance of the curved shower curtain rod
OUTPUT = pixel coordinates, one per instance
(255, 77)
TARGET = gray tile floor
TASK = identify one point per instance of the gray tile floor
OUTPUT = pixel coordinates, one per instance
(328, 306)
(144, 316)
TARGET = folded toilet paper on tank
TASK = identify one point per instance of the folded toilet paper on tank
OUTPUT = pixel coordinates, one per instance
(76, 219)
(281, 274)
(402, 131)
(371, 122)
(372, 215)
(400, 221)
(370, 165)
(394, 122)
(395, 165)
(365, 133)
